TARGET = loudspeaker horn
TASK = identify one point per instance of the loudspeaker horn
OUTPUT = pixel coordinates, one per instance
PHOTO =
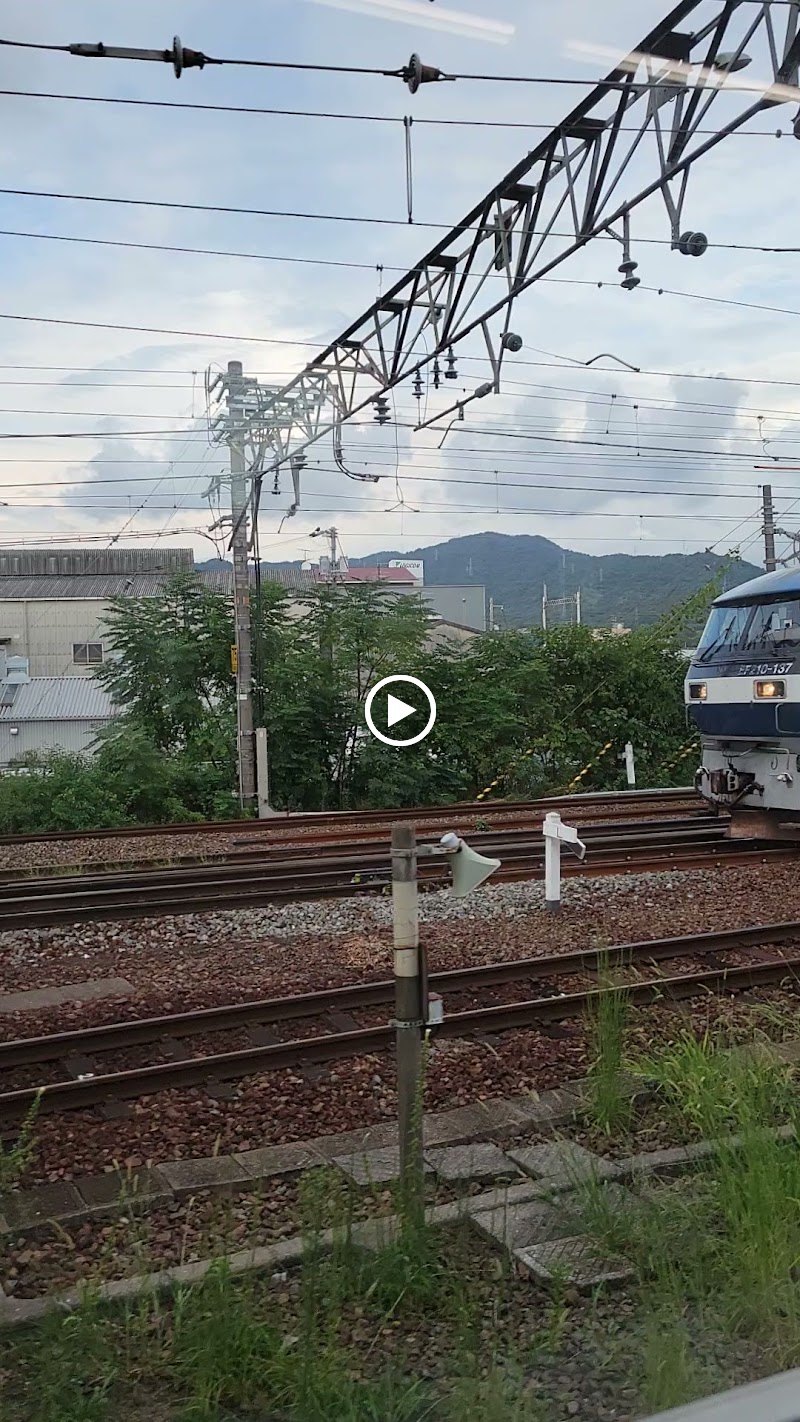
(469, 869)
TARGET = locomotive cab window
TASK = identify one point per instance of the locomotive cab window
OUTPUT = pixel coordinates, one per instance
(723, 630)
(775, 625)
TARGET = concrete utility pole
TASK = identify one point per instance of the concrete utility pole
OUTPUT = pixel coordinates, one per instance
(246, 751)
(769, 528)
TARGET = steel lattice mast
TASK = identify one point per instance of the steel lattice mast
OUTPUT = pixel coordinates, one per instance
(677, 96)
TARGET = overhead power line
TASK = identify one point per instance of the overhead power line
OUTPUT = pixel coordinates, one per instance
(579, 176)
(468, 226)
(253, 109)
(719, 70)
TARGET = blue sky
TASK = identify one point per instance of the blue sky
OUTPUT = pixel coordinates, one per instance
(275, 312)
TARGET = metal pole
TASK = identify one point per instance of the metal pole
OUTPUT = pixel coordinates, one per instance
(408, 1009)
(769, 529)
(552, 864)
(578, 607)
(241, 588)
(544, 607)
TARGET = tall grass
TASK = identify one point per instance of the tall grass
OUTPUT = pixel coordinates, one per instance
(608, 1102)
(718, 1253)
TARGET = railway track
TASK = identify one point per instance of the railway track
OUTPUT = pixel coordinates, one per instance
(343, 823)
(81, 1055)
(361, 868)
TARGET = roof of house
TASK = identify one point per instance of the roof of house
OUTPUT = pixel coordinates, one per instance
(55, 698)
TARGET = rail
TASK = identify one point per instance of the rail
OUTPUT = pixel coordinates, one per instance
(92, 1088)
(143, 893)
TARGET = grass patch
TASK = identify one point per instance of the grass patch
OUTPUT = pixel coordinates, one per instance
(608, 1103)
(717, 1254)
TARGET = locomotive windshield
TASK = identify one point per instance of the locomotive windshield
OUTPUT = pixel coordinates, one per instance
(774, 625)
(759, 630)
(723, 630)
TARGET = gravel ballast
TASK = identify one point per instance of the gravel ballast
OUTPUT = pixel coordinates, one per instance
(176, 964)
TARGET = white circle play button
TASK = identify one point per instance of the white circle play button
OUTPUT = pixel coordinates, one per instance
(397, 710)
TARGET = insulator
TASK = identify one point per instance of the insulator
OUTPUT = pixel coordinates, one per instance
(381, 410)
(511, 342)
(692, 244)
(451, 373)
(628, 268)
(437, 375)
(417, 386)
(416, 73)
(796, 124)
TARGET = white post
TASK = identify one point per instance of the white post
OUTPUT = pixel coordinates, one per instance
(265, 810)
(552, 861)
(630, 763)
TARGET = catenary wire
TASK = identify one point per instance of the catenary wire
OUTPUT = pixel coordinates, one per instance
(455, 228)
(327, 114)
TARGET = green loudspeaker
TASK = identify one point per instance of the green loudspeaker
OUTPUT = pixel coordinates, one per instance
(469, 869)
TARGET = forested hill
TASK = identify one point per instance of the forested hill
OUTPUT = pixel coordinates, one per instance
(617, 587)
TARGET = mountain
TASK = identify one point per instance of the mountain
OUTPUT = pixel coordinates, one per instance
(616, 587)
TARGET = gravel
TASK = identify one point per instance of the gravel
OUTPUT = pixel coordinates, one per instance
(177, 964)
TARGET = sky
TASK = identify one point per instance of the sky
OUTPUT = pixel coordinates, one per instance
(104, 431)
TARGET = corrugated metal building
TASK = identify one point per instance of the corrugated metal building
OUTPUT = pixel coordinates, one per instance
(53, 604)
(49, 713)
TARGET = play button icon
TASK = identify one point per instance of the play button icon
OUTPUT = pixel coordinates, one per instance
(397, 710)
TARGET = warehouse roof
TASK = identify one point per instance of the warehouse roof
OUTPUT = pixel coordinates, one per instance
(43, 586)
(55, 698)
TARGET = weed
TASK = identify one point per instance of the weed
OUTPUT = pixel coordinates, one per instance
(725, 1243)
(15, 1159)
(609, 1102)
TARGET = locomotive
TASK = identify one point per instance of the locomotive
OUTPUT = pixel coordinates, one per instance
(742, 693)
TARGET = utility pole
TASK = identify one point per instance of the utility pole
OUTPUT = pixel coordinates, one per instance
(241, 587)
(769, 528)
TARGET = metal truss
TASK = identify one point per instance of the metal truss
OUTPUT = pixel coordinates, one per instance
(656, 107)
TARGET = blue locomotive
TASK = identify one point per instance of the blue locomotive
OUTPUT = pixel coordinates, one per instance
(743, 695)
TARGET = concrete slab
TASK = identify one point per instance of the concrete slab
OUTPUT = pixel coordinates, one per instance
(118, 1188)
(573, 1261)
(674, 1161)
(479, 1160)
(372, 1167)
(373, 1138)
(549, 1108)
(59, 1201)
(518, 1226)
(220, 1173)
(278, 1160)
(562, 1163)
(71, 992)
(463, 1123)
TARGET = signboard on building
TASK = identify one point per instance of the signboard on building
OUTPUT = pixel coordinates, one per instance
(415, 566)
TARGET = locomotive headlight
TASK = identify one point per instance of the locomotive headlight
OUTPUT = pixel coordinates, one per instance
(698, 691)
(770, 690)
